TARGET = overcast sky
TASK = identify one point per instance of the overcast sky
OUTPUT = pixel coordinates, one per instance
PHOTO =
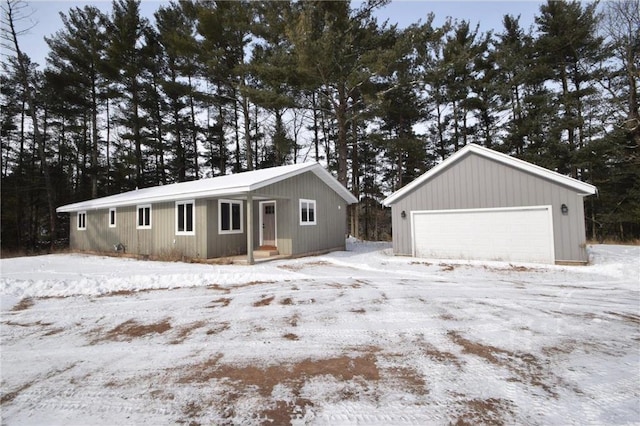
(488, 14)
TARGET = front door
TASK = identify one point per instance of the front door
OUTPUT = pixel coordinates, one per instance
(268, 223)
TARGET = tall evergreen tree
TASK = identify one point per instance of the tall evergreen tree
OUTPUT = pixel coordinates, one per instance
(12, 12)
(569, 44)
(126, 68)
(338, 48)
(76, 58)
(226, 28)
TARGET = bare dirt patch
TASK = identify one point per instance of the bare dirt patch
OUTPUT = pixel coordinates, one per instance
(287, 301)
(219, 303)
(184, 331)
(408, 378)
(634, 319)
(264, 379)
(118, 293)
(131, 329)
(526, 366)
(361, 370)
(126, 293)
(291, 336)
(227, 290)
(219, 328)
(38, 323)
(301, 266)
(442, 356)
(10, 396)
(265, 301)
(282, 411)
(293, 321)
(23, 304)
(448, 317)
(491, 411)
(53, 331)
(218, 287)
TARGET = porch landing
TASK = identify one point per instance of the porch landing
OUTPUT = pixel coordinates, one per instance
(261, 255)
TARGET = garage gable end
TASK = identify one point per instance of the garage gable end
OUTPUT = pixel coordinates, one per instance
(575, 185)
(472, 179)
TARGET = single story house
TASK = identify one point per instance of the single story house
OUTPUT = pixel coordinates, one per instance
(485, 205)
(288, 210)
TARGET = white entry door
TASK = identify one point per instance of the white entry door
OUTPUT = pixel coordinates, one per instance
(268, 223)
(508, 234)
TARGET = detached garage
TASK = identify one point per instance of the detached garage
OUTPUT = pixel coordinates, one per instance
(481, 204)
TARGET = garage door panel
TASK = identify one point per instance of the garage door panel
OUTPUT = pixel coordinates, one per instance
(508, 234)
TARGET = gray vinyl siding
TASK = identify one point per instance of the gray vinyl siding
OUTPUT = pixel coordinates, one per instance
(160, 240)
(479, 182)
(331, 215)
(223, 245)
(99, 236)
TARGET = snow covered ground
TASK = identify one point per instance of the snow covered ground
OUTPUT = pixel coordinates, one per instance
(355, 337)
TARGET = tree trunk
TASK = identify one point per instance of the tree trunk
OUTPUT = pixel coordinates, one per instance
(137, 136)
(355, 181)
(94, 140)
(343, 151)
(316, 141)
(194, 133)
(237, 167)
(247, 132)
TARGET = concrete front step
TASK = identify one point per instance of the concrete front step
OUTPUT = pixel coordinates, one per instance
(265, 253)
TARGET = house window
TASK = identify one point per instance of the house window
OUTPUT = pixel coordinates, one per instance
(112, 218)
(144, 217)
(229, 217)
(307, 212)
(82, 221)
(185, 217)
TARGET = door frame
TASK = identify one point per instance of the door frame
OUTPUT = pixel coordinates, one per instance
(275, 221)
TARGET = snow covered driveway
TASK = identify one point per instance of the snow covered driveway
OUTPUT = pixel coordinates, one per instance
(357, 337)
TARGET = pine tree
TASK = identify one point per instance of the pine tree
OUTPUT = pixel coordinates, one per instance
(126, 69)
(276, 81)
(337, 48)
(12, 12)
(226, 28)
(569, 45)
(75, 64)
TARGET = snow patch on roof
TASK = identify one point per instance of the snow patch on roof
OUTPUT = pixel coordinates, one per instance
(238, 184)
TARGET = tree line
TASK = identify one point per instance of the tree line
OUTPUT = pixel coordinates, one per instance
(206, 88)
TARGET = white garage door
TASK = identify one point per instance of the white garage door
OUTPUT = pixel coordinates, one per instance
(508, 234)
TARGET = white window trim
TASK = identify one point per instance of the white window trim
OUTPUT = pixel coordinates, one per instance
(193, 216)
(78, 227)
(143, 206)
(315, 212)
(231, 231)
(115, 217)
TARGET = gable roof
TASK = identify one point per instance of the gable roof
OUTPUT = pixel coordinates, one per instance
(228, 185)
(580, 187)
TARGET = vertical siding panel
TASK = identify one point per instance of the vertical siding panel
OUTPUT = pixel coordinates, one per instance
(222, 245)
(472, 192)
(484, 183)
(331, 214)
